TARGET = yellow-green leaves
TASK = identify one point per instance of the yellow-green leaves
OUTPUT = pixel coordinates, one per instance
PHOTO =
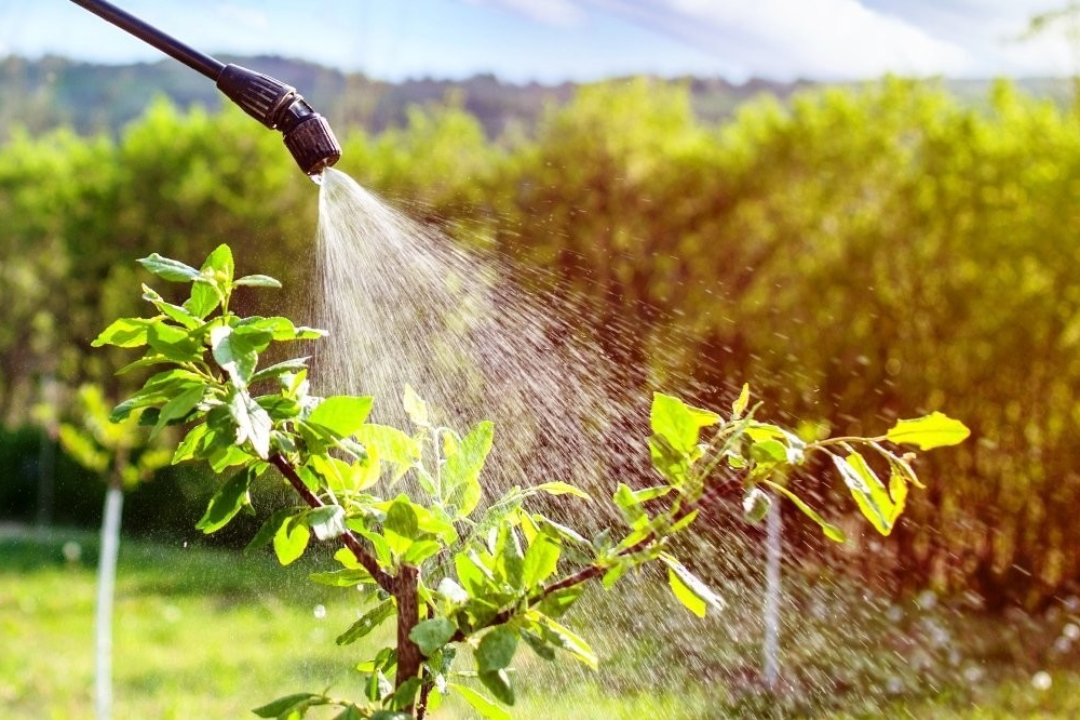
(415, 407)
(739, 406)
(677, 422)
(430, 635)
(341, 414)
(932, 431)
(226, 502)
(368, 622)
(689, 590)
(290, 541)
(870, 493)
(168, 269)
(461, 473)
(830, 531)
(541, 561)
(125, 332)
(252, 422)
(481, 703)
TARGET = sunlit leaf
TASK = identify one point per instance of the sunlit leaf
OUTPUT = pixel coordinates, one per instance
(932, 431)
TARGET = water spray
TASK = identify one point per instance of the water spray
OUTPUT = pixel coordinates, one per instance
(273, 103)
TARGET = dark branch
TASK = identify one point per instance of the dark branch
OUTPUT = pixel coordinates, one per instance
(384, 579)
(591, 572)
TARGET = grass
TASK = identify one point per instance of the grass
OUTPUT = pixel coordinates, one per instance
(211, 634)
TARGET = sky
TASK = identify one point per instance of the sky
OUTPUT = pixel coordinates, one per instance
(581, 40)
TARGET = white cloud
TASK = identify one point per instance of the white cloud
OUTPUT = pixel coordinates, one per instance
(797, 38)
(560, 13)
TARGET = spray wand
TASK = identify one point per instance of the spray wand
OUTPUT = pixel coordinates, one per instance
(273, 103)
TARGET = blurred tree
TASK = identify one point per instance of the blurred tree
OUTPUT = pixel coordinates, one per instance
(119, 453)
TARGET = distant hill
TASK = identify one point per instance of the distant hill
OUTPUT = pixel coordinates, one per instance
(54, 91)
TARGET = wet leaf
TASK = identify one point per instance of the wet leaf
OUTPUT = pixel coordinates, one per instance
(932, 431)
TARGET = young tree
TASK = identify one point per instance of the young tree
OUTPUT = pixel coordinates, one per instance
(121, 454)
(454, 573)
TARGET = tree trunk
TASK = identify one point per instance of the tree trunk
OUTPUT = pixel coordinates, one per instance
(106, 580)
(774, 550)
(408, 616)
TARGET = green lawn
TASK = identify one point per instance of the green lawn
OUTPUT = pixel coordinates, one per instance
(210, 634)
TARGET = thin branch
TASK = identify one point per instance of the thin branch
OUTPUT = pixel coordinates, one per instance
(591, 572)
(369, 563)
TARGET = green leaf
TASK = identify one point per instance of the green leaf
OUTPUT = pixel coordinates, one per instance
(830, 531)
(630, 506)
(371, 620)
(538, 645)
(430, 635)
(498, 682)
(481, 703)
(401, 526)
(541, 561)
(220, 261)
(869, 492)
(168, 269)
(560, 488)
(342, 414)
(932, 431)
(678, 422)
(205, 297)
(279, 369)
(343, 578)
(290, 541)
(561, 637)
(178, 408)
(496, 649)
(739, 406)
(258, 281)
(252, 422)
(283, 704)
(390, 445)
(269, 529)
(227, 501)
(690, 591)
(353, 713)
(235, 356)
(327, 522)
(768, 451)
(415, 407)
(461, 473)
(173, 343)
(173, 312)
(126, 332)
(421, 550)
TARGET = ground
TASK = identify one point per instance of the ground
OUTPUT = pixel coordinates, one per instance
(211, 633)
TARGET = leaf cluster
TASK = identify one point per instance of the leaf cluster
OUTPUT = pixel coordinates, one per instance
(406, 505)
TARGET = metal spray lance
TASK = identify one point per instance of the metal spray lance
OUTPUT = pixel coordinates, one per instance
(273, 103)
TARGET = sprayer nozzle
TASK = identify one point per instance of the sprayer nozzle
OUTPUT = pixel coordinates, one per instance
(278, 106)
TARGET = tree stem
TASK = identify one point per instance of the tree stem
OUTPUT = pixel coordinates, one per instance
(386, 581)
(408, 615)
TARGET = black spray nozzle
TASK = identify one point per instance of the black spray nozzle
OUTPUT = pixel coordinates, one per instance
(273, 103)
(279, 107)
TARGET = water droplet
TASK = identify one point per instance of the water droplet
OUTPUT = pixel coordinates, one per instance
(319, 611)
(72, 551)
(1041, 680)
(171, 613)
(927, 600)
(1071, 631)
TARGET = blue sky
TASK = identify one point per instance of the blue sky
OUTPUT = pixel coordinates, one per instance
(555, 40)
